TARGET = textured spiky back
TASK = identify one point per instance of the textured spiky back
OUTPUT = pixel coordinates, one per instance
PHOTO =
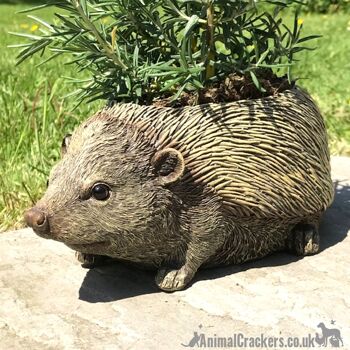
(265, 158)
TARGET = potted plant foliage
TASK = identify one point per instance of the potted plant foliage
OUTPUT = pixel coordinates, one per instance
(208, 153)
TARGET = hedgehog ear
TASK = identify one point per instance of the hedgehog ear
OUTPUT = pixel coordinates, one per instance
(65, 144)
(169, 165)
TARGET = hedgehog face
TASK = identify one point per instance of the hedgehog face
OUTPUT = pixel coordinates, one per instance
(107, 193)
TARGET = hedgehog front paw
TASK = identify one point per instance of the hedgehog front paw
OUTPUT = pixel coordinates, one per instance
(171, 280)
(90, 261)
(304, 240)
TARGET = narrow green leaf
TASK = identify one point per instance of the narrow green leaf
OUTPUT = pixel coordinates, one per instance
(42, 22)
(25, 35)
(307, 38)
(171, 83)
(256, 81)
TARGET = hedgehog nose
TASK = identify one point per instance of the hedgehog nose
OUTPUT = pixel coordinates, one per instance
(37, 220)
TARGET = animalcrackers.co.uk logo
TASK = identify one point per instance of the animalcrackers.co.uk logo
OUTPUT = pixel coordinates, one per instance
(329, 337)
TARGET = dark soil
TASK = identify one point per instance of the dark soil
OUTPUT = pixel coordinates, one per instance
(233, 88)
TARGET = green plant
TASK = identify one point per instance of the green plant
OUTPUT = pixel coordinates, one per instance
(30, 112)
(136, 50)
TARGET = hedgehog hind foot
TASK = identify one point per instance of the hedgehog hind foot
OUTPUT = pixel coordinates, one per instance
(89, 261)
(304, 240)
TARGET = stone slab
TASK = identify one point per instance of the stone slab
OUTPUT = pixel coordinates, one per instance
(47, 301)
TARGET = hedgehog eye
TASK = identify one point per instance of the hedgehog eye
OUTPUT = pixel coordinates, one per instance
(101, 192)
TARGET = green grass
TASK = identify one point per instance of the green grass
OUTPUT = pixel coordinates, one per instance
(325, 74)
(34, 117)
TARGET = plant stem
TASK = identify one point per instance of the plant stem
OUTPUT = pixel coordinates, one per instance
(210, 71)
(105, 46)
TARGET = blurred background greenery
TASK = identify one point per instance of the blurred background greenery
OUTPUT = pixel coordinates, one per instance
(326, 6)
(34, 117)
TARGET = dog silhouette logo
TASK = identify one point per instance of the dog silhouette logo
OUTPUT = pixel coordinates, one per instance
(330, 336)
(195, 339)
(193, 342)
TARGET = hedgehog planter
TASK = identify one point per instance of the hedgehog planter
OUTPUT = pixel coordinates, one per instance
(177, 189)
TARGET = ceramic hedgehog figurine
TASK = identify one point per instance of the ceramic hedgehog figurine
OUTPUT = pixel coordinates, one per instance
(177, 189)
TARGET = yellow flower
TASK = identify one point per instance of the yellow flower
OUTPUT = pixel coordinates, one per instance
(24, 25)
(300, 21)
(34, 27)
